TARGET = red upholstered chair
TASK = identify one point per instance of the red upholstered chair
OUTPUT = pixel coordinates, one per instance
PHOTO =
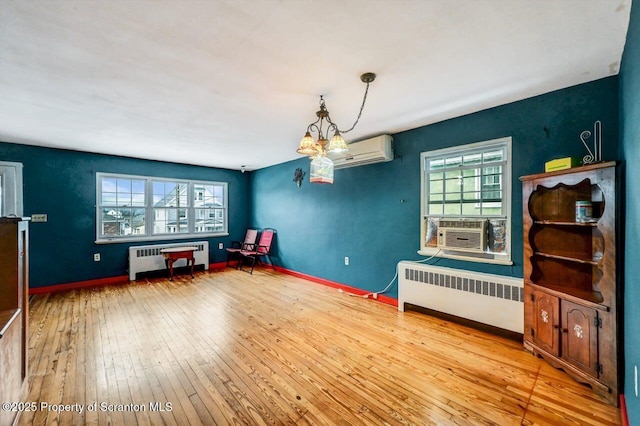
(262, 250)
(249, 243)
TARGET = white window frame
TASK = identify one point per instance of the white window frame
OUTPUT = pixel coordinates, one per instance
(149, 210)
(486, 257)
(11, 189)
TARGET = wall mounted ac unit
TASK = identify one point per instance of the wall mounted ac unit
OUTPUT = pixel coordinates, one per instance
(462, 235)
(368, 151)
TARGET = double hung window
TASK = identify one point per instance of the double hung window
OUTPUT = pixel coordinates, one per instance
(465, 187)
(145, 208)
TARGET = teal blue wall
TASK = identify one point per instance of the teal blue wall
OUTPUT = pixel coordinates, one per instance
(372, 213)
(62, 184)
(630, 150)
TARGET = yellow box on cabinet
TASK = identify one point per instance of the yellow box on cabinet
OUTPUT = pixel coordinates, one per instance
(561, 164)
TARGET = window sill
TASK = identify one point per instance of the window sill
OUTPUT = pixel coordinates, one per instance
(164, 237)
(434, 252)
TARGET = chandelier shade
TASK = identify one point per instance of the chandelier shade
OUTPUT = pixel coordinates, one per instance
(337, 144)
(307, 146)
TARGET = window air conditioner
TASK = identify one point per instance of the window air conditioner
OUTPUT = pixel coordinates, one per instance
(462, 235)
(369, 151)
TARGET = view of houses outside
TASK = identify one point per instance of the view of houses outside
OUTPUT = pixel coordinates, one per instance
(172, 209)
(466, 185)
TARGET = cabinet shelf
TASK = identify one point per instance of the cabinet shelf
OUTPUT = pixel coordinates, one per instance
(593, 261)
(591, 299)
(565, 223)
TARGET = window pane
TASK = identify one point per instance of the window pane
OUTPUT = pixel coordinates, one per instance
(491, 209)
(435, 197)
(452, 209)
(473, 195)
(435, 209)
(138, 200)
(218, 193)
(491, 195)
(123, 185)
(452, 185)
(169, 194)
(492, 156)
(436, 186)
(208, 195)
(109, 185)
(158, 188)
(122, 221)
(137, 187)
(436, 164)
(434, 177)
(454, 161)
(472, 159)
(209, 220)
(109, 198)
(122, 192)
(123, 199)
(470, 184)
(495, 170)
(471, 209)
(170, 221)
(470, 172)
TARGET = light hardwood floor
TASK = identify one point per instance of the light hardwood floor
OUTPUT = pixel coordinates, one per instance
(268, 348)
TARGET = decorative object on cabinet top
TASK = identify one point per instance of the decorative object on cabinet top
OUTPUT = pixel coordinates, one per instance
(594, 156)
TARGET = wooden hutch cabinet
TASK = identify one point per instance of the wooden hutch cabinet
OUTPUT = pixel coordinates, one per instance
(570, 276)
(14, 309)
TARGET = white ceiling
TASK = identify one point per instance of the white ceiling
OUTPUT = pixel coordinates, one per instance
(232, 83)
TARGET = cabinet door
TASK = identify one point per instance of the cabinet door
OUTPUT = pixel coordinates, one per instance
(580, 337)
(546, 322)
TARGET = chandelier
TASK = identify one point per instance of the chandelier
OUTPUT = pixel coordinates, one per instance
(317, 149)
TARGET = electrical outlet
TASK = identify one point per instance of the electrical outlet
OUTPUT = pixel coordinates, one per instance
(96, 257)
(38, 217)
(346, 260)
(220, 246)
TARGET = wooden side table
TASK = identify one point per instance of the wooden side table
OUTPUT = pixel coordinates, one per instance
(172, 254)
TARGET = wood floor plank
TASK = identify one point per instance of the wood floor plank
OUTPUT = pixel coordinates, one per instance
(232, 348)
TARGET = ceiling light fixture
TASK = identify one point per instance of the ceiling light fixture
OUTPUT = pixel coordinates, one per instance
(321, 166)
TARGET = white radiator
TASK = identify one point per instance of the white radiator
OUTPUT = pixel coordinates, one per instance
(149, 258)
(490, 299)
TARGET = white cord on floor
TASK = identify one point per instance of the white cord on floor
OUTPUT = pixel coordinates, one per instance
(366, 296)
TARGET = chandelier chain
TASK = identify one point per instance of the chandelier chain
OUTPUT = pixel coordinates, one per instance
(364, 99)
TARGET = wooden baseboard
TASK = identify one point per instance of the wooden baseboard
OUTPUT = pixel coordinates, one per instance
(348, 289)
(120, 279)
